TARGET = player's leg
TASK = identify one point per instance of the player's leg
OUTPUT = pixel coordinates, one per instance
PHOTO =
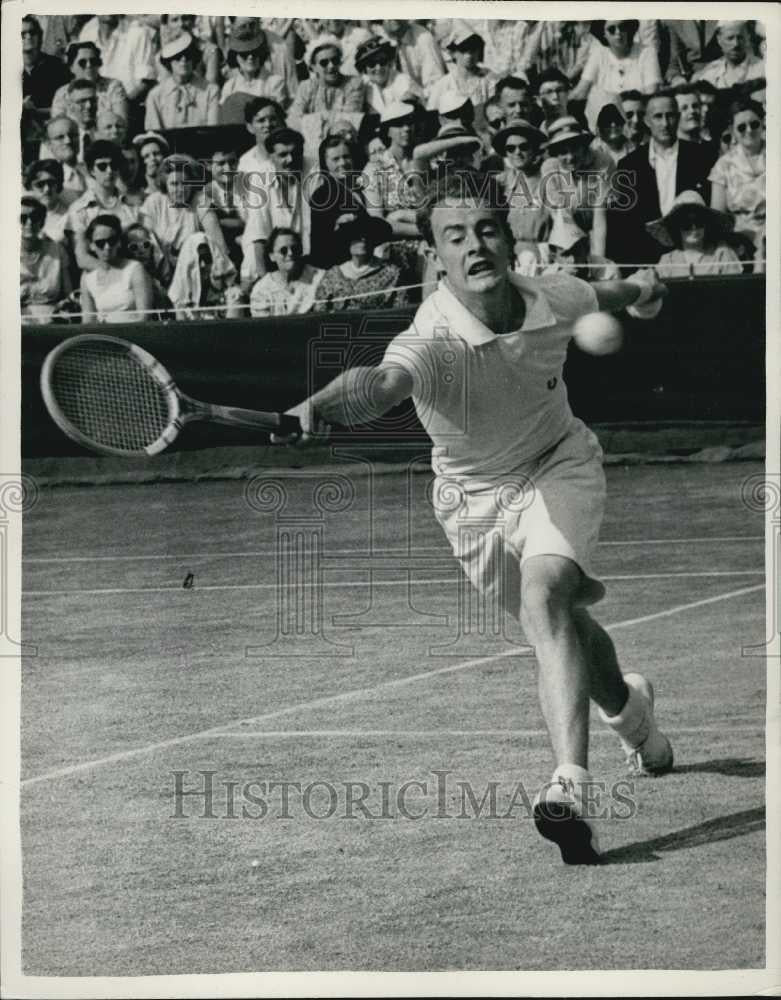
(626, 701)
(549, 585)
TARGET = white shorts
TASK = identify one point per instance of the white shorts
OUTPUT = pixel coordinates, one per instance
(552, 505)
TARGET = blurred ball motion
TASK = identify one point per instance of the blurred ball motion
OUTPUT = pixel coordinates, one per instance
(598, 333)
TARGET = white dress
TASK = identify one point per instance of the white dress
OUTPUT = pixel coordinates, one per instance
(112, 292)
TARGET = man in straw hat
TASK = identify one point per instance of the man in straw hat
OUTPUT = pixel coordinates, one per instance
(483, 362)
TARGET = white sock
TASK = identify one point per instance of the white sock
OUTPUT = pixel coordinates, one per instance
(572, 772)
(633, 722)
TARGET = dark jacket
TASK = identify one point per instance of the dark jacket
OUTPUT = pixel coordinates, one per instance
(628, 240)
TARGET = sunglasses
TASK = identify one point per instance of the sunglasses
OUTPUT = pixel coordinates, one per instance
(752, 126)
(516, 147)
(84, 63)
(252, 54)
(104, 165)
(335, 61)
(288, 251)
(617, 29)
(29, 217)
(137, 247)
(109, 241)
(377, 61)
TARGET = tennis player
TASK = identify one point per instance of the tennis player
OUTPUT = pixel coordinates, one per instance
(519, 479)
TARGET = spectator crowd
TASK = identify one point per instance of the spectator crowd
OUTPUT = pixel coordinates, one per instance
(182, 166)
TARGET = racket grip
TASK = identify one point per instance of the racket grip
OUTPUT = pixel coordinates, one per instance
(289, 424)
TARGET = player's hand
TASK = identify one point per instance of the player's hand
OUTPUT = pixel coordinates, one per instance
(647, 278)
(314, 430)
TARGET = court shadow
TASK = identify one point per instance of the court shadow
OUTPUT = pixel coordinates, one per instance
(712, 830)
(731, 767)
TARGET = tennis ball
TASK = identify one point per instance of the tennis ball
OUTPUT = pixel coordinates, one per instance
(598, 333)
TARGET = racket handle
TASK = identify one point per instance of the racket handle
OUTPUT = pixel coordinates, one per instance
(235, 416)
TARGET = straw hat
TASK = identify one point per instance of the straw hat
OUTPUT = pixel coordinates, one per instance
(374, 46)
(687, 202)
(247, 37)
(451, 101)
(396, 112)
(460, 32)
(322, 42)
(519, 126)
(565, 129)
(176, 47)
(449, 137)
(145, 137)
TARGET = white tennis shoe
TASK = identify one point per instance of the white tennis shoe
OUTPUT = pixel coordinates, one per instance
(559, 816)
(648, 752)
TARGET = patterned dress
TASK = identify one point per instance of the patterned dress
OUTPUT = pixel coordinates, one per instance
(743, 178)
(343, 288)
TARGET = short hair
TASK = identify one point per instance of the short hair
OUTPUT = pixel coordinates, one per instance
(510, 83)
(75, 85)
(72, 125)
(110, 221)
(331, 142)
(633, 95)
(47, 166)
(252, 107)
(705, 87)
(685, 88)
(100, 149)
(552, 75)
(598, 27)
(38, 208)
(287, 136)
(462, 184)
(75, 47)
(745, 104)
(668, 95)
(275, 233)
(34, 23)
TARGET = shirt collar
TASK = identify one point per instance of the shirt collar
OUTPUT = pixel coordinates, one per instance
(664, 154)
(466, 325)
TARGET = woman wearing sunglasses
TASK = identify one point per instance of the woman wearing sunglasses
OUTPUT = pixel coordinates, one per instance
(139, 244)
(738, 177)
(44, 277)
(118, 290)
(105, 164)
(376, 60)
(519, 144)
(289, 284)
(327, 90)
(619, 64)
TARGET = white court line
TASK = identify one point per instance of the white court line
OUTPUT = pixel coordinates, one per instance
(206, 588)
(358, 552)
(463, 733)
(353, 693)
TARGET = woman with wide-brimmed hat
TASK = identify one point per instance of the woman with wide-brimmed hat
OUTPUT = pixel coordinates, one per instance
(327, 90)
(696, 235)
(577, 177)
(361, 280)
(519, 145)
(375, 59)
(251, 72)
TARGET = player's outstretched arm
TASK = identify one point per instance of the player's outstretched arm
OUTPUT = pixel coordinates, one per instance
(357, 396)
(639, 289)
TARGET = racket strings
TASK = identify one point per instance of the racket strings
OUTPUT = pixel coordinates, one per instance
(110, 397)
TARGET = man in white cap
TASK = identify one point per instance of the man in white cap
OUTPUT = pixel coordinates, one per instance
(519, 487)
(182, 99)
(737, 64)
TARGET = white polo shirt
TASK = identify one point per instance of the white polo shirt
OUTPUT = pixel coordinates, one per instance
(492, 403)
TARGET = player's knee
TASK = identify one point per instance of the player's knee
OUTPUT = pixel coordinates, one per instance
(544, 603)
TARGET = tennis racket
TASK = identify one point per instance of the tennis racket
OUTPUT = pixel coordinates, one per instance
(114, 398)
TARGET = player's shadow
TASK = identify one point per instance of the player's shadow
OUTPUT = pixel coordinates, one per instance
(731, 767)
(723, 828)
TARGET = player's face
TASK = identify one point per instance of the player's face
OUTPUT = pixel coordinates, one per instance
(471, 245)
